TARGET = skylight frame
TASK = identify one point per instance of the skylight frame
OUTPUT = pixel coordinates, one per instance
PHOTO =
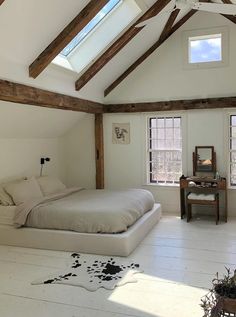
(80, 37)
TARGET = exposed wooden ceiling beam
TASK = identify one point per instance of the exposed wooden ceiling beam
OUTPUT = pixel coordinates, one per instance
(229, 17)
(211, 103)
(170, 22)
(1, 1)
(99, 148)
(227, 1)
(64, 38)
(24, 94)
(119, 44)
(166, 33)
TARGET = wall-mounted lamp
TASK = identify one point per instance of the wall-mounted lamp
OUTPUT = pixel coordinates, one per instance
(42, 162)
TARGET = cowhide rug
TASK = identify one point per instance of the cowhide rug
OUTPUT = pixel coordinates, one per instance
(93, 272)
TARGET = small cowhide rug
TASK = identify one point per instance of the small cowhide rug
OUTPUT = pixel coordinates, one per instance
(93, 272)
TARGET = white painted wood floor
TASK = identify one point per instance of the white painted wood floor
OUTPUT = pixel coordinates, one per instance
(179, 262)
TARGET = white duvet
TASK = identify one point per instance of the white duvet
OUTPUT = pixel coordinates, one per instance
(92, 211)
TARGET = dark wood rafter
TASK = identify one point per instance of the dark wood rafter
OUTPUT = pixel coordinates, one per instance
(168, 30)
(99, 148)
(168, 25)
(64, 38)
(229, 17)
(1, 1)
(24, 94)
(119, 44)
(175, 105)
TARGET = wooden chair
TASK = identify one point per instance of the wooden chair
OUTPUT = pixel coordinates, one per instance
(199, 201)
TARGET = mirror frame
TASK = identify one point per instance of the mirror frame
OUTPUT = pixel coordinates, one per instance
(213, 159)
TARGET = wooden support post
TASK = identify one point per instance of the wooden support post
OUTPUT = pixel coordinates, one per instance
(99, 147)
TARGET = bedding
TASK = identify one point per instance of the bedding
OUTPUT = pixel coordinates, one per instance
(5, 199)
(7, 214)
(24, 190)
(50, 185)
(90, 211)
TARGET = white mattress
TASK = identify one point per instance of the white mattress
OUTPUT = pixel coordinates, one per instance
(7, 214)
(121, 244)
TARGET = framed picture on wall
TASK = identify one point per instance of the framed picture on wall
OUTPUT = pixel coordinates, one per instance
(121, 133)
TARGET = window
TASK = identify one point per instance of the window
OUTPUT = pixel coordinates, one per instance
(164, 150)
(98, 34)
(205, 49)
(232, 150)
(90, 26)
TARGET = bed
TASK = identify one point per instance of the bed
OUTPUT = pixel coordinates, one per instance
(90, 221)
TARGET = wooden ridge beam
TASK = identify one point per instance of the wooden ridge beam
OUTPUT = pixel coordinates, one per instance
(64, 38)
(166, 33)
(125, 38)
(24, 94)
(175, 105)
(99, 148)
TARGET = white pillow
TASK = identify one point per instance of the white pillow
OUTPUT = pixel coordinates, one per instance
(5, 199)
(24, 191)
(50, 185)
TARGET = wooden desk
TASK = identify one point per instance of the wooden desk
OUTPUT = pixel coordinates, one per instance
(204, 185)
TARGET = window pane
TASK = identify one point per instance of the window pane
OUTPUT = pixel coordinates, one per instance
(233, 132)
(205, 49)
(170, 133)
(233, 144)
(160, 122)
(177, 133)
(233, 120)
(177, 122)
(169, 122)
(89, 27)
(233, 157)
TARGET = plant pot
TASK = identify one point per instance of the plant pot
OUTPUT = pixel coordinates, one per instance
(229, 304)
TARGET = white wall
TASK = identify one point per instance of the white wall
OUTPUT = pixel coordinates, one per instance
(28, 133)
(21, 158)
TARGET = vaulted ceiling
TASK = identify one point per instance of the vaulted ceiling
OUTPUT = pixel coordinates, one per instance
(32, 35)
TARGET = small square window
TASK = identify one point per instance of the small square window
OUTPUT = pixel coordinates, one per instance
(205, 49)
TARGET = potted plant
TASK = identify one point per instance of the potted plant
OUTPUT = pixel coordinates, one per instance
(221, 297)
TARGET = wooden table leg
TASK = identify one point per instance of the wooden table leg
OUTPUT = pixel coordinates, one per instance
(226, 206)
(182, 203)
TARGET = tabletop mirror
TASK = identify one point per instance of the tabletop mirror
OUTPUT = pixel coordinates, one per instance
(204, 159)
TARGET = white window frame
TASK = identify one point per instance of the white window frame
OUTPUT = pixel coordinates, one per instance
(229, 114)
(224, 31)
(180, 115)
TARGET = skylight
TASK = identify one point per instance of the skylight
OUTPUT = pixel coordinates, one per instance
(205, 49)
(98, 34)
(89, 27)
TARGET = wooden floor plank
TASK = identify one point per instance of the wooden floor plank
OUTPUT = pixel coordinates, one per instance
(178, 268)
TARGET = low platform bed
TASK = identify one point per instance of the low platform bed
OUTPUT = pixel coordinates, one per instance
(120, 244)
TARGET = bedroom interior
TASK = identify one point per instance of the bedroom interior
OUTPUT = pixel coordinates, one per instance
(85, 87)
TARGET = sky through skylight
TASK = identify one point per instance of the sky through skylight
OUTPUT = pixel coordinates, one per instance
(89, 27)
(206, 49)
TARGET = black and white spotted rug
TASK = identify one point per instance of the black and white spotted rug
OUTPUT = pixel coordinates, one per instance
(94, 271)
